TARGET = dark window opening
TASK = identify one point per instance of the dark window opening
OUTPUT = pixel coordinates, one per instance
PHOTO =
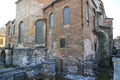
(95, 47)
(87, 12)
(62, 43)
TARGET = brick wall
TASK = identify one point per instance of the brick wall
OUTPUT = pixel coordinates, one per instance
(72, 33)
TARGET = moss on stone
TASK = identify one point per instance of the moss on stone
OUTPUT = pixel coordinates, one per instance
(60, 78)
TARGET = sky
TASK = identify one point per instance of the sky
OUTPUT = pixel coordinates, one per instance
(112, 8)
(7, 11)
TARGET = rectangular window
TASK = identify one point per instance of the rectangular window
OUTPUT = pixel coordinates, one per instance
(62, 43)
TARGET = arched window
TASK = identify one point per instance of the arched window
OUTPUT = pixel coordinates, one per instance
(40, 32)
(21, 32)
(66, 16)
(51, 20)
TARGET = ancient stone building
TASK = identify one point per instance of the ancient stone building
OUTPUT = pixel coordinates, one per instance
(10, 34)
(72, 30)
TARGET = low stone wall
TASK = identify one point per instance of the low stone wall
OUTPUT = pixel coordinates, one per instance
(30, 57)
(25, 56)
(34, 71)
(13, 74)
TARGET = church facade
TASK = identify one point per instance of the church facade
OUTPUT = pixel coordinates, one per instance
(70, 29)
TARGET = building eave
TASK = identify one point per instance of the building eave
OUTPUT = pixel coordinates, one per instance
(8, 22)
(50, 4)
(103, 26)
(109, 18)
(18, 1)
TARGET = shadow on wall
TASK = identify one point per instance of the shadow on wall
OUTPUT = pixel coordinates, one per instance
(2, 56)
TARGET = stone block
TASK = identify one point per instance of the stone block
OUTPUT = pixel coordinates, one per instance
(8, 60)
(20, 76)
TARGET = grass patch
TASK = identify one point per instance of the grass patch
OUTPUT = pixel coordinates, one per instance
(59, 78)
(1, 67)
(10, 66)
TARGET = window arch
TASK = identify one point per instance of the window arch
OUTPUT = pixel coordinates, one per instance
(66, 15)
(21, 32)
(40, 32)
(51, 19)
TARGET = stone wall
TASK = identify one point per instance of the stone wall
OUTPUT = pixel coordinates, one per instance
(30, 72)
(10, 34)
(45, 70)
(23, 57)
